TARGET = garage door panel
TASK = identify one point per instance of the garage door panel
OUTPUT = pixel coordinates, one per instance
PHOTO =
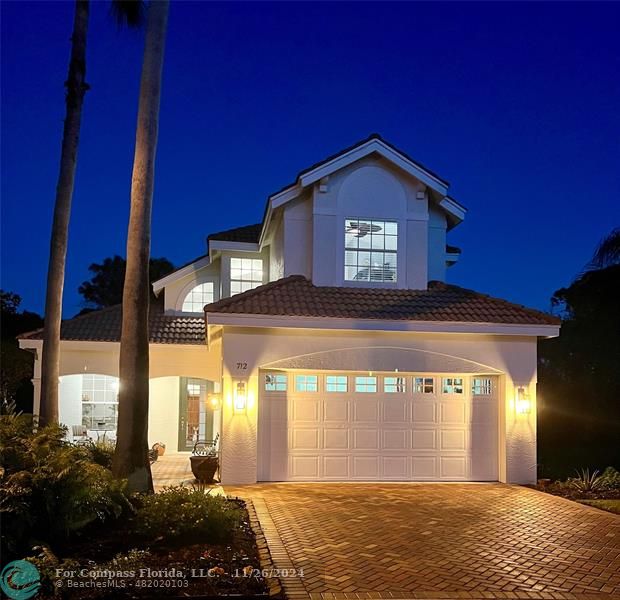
(453, 412)
(305, 439)
(304, 467)
(365, 467)
(396, 439)
(424, 439)
(424, 467)
(365, 411)
(395, 410)
(424, 412)
(453, 467)
(335, 439)
(453, 439)
(336, 410)
(395, 467)
(305, 409)
(336, 467)
(365, 439)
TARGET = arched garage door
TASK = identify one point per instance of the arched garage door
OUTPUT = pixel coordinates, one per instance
(368, 426)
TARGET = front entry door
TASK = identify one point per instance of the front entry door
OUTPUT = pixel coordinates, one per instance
(195, 416)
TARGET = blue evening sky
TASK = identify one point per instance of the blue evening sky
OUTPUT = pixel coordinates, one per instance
(517, 105)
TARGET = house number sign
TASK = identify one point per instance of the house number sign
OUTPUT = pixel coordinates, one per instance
(241, 366)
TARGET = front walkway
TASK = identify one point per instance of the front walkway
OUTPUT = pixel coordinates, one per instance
(171, 469)
(435, 541)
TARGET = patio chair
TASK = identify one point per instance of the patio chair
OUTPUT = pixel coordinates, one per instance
(79, 434)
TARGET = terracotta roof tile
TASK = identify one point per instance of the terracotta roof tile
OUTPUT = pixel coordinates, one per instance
(296, 296)
(247, 233)
(105, 326)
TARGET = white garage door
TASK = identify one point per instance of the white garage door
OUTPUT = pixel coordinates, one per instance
(361, 426)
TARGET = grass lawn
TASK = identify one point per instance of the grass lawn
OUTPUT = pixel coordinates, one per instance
(608, 505)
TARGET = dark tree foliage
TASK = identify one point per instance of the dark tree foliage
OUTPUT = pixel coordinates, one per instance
(105, 287)
(16, 365)
(579, 372)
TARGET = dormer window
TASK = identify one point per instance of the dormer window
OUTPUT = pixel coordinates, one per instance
(245, 274)
(197, 298)
(370, 250)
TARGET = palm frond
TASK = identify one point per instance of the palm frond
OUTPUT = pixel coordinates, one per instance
(607, 253)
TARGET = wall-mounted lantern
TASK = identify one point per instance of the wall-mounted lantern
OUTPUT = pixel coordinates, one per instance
(241, 397)
(523, 404)
(214, 401)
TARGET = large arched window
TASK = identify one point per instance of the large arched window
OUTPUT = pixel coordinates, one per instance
(197, 298)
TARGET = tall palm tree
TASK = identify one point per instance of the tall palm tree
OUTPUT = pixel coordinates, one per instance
(130, 13)
(131, 455)
(76, 88)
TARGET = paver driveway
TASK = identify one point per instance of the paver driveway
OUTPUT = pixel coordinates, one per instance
(419, 540)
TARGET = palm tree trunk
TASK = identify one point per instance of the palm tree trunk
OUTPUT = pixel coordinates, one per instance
(131, 455)
(76, 88)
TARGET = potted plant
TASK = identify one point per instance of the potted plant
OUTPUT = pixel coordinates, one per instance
(204, 461)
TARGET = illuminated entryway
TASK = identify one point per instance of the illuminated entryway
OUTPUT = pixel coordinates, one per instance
(198, 417)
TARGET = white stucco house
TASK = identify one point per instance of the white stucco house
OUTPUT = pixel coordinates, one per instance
(324, 344)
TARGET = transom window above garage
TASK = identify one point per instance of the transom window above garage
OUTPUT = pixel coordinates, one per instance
(481, 386)
(452, 385)
(276, 383)
(306, 383)
(336, 383)
(423, 385)
(370, 250)
(366, 384)
(393, 385)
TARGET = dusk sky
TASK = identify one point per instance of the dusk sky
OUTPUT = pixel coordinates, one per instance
(517, 105)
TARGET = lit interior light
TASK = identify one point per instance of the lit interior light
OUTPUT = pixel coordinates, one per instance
(523, 404)
(214, 401)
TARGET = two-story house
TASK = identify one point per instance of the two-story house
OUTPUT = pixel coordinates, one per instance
(324, 342)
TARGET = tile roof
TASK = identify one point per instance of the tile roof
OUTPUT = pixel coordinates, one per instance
(247, 233)
(296, 296)
(105, 326)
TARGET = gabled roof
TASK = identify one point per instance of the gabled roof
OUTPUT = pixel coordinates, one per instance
(105, 326)
(247, 233)
(295, 296)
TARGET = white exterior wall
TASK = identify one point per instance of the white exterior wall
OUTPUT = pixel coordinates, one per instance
(370, 188)
(247, 350)
(436, 245)
(297, 235)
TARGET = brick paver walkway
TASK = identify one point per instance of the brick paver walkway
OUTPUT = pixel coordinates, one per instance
(435, 541)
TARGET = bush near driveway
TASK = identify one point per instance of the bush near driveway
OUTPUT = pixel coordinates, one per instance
(187, 515)
(608, 505)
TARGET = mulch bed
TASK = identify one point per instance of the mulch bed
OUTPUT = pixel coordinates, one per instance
(196, 570)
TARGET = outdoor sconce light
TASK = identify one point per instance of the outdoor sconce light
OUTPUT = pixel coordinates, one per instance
(240, 397)
(214, 401)
(523, 404)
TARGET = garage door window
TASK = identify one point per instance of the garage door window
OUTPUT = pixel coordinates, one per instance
(423, 385)
(275, 383)
(452, 385)
(481, 387)
(393, 385)
(336, 383)
(306, 383)
(366, 384)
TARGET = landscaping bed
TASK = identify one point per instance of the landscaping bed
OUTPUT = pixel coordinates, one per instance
(601, 490)
(64, 512)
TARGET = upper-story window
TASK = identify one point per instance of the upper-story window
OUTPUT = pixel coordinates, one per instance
(245, 274)
(370, 250)
(197, 298)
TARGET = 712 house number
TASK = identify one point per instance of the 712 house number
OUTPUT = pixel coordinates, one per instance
(242, 366)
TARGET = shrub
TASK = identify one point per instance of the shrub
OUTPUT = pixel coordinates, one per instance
(49, 488)
(102, 452)
(610, 479)
(178, 513)
(586, 481)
